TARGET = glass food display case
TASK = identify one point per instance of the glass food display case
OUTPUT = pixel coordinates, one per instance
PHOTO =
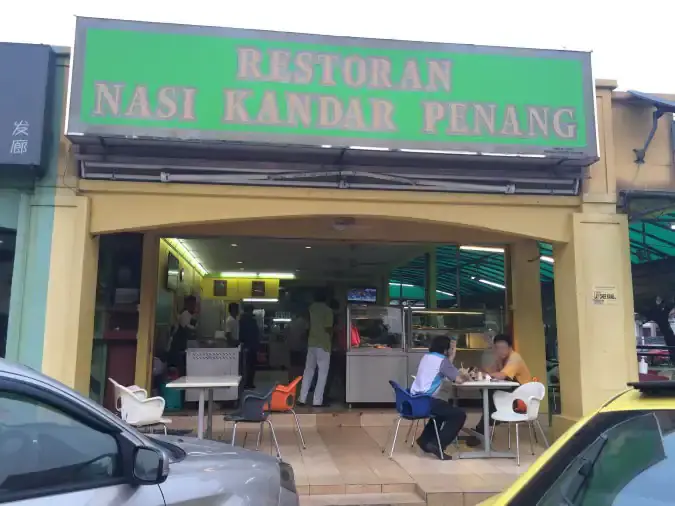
(376, 352)
(472, 329)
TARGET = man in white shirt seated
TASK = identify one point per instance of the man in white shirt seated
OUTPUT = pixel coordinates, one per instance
(434, 367)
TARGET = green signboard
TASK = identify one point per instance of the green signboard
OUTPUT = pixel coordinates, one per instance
(146, 80)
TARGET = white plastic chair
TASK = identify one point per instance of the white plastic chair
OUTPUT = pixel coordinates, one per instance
(139, 392)
(531, 394)
(137, 409)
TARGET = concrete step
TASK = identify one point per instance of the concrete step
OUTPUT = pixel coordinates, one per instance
(362, 500)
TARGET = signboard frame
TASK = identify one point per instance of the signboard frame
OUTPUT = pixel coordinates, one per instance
(25, 107)
(78, 130)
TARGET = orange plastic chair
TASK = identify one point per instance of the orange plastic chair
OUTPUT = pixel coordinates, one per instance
(283, 401)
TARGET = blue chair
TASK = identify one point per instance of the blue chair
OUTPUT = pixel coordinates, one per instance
(413, 408)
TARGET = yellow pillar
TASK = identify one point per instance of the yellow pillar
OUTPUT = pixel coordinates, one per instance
(528, 324)
(71, 295)
(146, 310)
(596, 341)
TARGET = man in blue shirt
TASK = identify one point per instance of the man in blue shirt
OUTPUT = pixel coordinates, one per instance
(434, 367)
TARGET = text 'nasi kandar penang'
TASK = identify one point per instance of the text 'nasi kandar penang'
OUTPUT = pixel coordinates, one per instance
(284, 103)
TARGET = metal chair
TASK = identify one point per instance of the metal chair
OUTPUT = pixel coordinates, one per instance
(254, 408)
(283, 401)
(413, 408)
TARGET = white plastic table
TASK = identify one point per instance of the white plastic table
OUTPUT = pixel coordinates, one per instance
(484, 386)
(205, 384)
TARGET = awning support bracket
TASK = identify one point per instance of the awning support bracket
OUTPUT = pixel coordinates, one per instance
(640, 154)
(661, 106)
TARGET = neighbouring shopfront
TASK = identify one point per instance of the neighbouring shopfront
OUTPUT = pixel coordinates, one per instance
(190, 131)
(31, 91)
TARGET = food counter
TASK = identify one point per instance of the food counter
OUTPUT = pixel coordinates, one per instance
(393, 340)
(473, 331)
(378, 357)
(211, 358)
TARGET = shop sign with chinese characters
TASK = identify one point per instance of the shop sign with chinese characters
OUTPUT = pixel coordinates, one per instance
(144, 80)
(25, 83)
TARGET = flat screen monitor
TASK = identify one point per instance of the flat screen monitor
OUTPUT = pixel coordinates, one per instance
(364, 295)
(172, 272)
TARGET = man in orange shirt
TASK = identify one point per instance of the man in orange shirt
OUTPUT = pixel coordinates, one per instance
(509, 366)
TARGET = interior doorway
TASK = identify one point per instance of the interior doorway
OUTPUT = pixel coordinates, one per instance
(7, 251)
(367, 284)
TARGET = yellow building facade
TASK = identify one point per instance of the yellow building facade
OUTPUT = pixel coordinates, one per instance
(590, 248)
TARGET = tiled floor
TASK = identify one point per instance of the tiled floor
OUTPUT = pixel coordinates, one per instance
(344, 456)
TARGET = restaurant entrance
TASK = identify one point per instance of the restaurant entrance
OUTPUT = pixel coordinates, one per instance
(388, 298)
(522, 262)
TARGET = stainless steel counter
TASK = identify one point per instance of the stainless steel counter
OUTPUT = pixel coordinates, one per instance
(210, 361)
(369, 371)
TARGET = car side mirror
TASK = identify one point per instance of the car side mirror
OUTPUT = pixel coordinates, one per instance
(150, 466)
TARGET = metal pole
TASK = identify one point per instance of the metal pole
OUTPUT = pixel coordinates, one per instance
(458, 280)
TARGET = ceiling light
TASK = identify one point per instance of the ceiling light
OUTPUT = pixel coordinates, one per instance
(492, 283)
(393, 283)
(276, 275)
(473, 277)
(238, 274)
(281, 320)
(368, 148)
(240, 262)
(451, 311)
(486, 249)
(445, 293)
(326, 146)
(234, 245)
(546, 258)
(256, 299)
(187, 254)
(308, 247)
(514, 155)
(267, 275)
(672, 226)
(438, 151)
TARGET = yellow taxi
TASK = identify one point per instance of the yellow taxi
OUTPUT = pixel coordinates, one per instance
(621, 455)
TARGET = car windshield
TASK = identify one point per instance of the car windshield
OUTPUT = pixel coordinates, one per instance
(630, 464)
(172, 451)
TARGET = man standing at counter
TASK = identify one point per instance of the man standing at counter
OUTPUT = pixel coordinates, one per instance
(183, 332)
(232, 324)
(249, 335)
(321, 321)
